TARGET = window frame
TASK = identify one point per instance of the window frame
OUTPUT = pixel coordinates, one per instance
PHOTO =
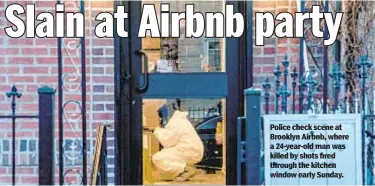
(207, 53)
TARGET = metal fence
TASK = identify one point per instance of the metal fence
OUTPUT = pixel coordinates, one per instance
(46, 131)
(198, 114)
(72, 82)
(311, 102)
(304, 96)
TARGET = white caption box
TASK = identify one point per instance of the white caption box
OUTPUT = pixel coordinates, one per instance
(347, 161)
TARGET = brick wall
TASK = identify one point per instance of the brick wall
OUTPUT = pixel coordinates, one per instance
(32, 63)
(274, 50)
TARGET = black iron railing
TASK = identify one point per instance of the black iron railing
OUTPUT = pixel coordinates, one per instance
(68, 83)
(46, 132)
(310, 100)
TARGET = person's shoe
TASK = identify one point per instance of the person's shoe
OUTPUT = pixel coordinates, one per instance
(188, 173)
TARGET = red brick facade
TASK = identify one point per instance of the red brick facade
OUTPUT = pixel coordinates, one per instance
(31, 63)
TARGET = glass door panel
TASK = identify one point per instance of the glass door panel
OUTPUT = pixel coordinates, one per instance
(185, 55)
(207, 116)
(187, 74)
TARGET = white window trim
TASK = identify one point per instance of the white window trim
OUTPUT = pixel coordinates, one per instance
(206, 49)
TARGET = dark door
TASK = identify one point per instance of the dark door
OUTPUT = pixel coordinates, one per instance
(195, 72)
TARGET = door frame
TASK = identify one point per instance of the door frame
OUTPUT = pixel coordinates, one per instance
(128, 103)
(128, 107)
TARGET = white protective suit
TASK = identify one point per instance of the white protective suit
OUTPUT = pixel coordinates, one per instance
(182, 146)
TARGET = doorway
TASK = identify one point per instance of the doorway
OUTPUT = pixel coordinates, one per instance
(157, 76)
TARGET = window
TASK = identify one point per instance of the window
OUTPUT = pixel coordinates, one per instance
(73, 152)
(26, 152)
(5, 151)
(213, 55)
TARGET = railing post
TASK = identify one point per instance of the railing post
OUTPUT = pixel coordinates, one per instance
(14, 94)
(267, 86)
(277, 74)
(46, 135)
(253, 136)
(364, 65)
(294, 76)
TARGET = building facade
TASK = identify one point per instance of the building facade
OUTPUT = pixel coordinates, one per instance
(30, 63)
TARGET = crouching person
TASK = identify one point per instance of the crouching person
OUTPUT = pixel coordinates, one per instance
(182, 148)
